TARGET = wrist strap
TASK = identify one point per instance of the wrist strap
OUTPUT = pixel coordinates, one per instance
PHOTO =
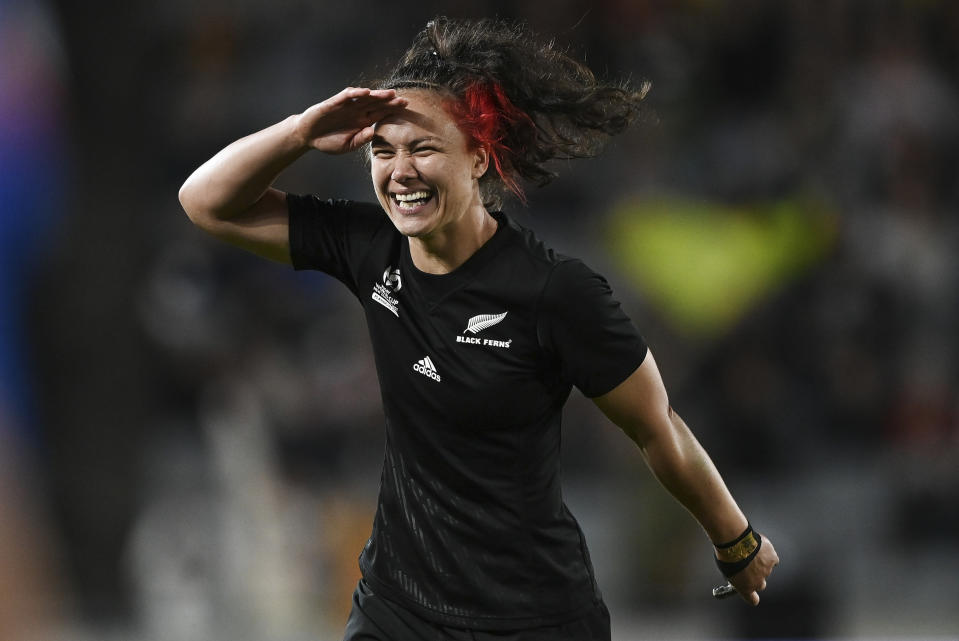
(738, 539)
(743, 549)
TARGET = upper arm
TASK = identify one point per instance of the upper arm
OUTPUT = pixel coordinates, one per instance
(263, 228)
(639, 405)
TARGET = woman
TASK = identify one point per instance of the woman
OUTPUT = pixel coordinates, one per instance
(479, 332)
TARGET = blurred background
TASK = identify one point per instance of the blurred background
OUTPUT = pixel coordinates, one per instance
(190, 438)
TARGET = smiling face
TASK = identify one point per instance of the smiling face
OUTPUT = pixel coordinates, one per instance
(425, 172)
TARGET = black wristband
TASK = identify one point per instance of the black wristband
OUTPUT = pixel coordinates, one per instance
(746, 532)
(729, 568)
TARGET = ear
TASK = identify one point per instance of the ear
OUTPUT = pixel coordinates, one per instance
(480, 161)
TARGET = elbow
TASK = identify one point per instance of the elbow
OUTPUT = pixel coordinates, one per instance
(190, 202)
(187, 200)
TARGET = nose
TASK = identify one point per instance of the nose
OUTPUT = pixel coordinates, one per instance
(403, 168)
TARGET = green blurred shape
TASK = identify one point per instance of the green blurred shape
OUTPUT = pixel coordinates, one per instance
(705, 265)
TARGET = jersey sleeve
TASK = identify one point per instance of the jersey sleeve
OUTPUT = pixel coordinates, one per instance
(586, 330)
(332, 236)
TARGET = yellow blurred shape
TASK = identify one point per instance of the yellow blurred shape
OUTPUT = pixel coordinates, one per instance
(705, 265)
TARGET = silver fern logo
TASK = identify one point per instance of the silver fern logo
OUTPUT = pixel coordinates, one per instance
(477, 324)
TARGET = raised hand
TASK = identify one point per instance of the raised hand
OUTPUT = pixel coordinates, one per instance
(344, 122)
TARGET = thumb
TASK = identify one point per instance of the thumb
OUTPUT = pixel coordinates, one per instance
(362, 137)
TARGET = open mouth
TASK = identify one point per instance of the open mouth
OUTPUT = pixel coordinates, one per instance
(412, 200)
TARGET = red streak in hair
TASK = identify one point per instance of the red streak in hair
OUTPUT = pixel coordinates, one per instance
(487, 116)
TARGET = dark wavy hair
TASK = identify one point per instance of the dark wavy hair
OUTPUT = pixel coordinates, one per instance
(527, 102)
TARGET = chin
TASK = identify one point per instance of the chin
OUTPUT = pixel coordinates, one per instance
(411, 228)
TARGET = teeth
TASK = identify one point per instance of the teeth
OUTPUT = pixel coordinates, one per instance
(416, 195)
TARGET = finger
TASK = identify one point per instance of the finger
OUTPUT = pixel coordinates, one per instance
(374, 109)
(356, 92)
(372, 95)
(348, 95)
(375, 115)
(362, 137)
(752, 598)
(371, 102)
(383, 93)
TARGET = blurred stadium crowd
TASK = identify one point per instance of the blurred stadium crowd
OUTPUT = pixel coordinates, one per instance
(190, 438)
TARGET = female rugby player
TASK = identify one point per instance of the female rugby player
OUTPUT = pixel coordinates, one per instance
(479, 333)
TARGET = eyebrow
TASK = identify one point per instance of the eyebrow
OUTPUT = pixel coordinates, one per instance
(380, 141)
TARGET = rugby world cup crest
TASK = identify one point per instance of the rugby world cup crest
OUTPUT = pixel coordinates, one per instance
(384, 293)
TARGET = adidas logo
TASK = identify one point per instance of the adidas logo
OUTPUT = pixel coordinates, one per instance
(425, 367)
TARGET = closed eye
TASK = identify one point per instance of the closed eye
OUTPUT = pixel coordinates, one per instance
(425, 147)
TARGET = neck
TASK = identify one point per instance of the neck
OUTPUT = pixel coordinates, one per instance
(447, 249)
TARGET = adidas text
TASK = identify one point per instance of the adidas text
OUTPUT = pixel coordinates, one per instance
(425, 367)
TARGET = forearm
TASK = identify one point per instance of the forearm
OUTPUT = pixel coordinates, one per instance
(234, 179)
(640, 407)
(684, 468)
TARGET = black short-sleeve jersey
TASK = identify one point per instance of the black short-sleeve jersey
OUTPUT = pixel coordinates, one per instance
(474, 367)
